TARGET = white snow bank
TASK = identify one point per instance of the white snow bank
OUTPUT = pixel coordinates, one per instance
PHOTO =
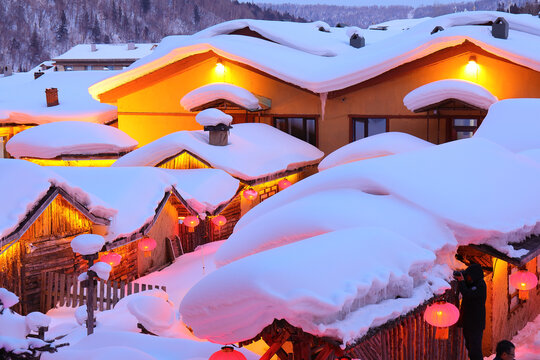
(8, 298)
(254, 151)
(35, 320)
(25, 103)
(81, 314)
(154, 313)
(361, 271)
(106, 52)
(533, 154)
(513, 123)
(437, 91)
(388, 143)
(331, 210)
(69, 138)
(102, 270)
(87, 244)
(217, 91)
(212, 117)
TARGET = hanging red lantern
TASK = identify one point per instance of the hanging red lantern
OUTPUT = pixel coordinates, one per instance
(250, 194)
(191, 222)
(441, 314)
(227, 353)
(523, 281)
(283, 184)
(147, 245)
(219, 220)
(111, 258)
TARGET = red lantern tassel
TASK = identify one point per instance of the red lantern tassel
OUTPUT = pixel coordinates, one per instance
(523, 294)
(441, 333)
(147, 253)
(190, 229)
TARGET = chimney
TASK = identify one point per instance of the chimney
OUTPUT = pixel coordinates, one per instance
(436, 29)
(357, 41)
(499, 29)
(52, 96)
(8, 71)
(218, 134)
(37, 74)
(131, 45)
(93, 47)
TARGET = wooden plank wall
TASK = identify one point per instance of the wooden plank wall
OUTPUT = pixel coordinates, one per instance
(184, 161)
(232, 214)
(65, 290)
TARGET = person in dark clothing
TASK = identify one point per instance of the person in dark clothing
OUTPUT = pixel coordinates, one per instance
(472, 313)
(505, 350)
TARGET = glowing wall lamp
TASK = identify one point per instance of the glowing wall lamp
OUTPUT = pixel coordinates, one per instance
(442, 315)
(191, 222)
(250, 194)
(283, 184)
(111, 258)
(472, 67)
(219, 220)
(227, 353)
(220, 68)
(147, 245)
(523, 281)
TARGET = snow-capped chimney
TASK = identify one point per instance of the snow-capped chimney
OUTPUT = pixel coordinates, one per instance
(357, 41)
(436, 29)
(93, 47)
(499, 29)
(8, 71)
(52, 96)
(217, 123)
(131, 45)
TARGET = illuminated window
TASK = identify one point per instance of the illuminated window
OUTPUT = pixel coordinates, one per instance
(364, 127)
(465, 128)
(299, 127)
(2, 146)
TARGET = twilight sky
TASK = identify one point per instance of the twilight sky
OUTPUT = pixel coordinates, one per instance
(357, 2)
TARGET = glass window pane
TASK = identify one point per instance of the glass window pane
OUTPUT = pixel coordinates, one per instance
(376, 126)
(465, 122)
(359, 128)
(311, 134)
(464, 134)
(296, 128)
(2, 155)
(281, 124)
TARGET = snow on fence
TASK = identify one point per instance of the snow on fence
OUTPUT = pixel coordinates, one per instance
(65, 290)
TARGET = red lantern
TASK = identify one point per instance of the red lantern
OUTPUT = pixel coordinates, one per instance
(441, 315)
(147, 245)
(283, 184)
(111, 258)
(250, 194)
(219, 220)
(191, 222)
(227, 353)
(523, 281)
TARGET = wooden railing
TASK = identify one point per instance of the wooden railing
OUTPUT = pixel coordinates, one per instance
(65, 290)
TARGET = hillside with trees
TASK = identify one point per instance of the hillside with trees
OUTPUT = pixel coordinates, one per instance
(34, 31)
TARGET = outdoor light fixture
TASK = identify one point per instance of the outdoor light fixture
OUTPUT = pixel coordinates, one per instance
(523, 281)
(227, 353)
(472, 66)
(191, 222)
(283, 184)
(111, 258)
(147, 245)
(250, 194)
(220, 68)
(219, 220)
(442, 315)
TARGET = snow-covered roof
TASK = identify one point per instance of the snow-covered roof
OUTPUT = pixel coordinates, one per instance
(51, 140)
(441, 90)
(213, 117)
(217, 91)
(388, 143)
(513, 123)
(106, 52)
(448, 189)
(254, 151)
(22, 99)
(103, 191)
(334, 64)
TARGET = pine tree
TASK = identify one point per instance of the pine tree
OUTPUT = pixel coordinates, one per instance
(96, 32)
(61, 30)
(145, 6)
(34, 48)
(196, 15)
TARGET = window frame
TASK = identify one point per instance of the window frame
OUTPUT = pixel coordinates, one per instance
(304, 118)
(365, 120)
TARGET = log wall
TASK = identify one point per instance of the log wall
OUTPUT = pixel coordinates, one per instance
(183, 161)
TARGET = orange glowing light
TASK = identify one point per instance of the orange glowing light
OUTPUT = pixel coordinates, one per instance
(220, 68)
(147, 245)
(250, 194)
(111, 258)
(472, 67)
(523, 281)
(441, 315)
(219, 220)
(191, 222)
(283, 184)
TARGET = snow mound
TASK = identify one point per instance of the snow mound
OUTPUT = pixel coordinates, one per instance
(388, 143)
(103, 270)
(213, 117)
(69, 138)
(441, 90)
(362, 272)
(533, 154)
(8, 298)
(217, 91)
(87, 244)
(81, 314)
(36, 319)
(154, 313)
(513, 123)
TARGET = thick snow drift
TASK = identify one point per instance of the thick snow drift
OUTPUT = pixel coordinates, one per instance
(388, 143)
(254, 151)
(513, 123)
(217, 91)
(441, 90)
(70, 138)
(212, 117)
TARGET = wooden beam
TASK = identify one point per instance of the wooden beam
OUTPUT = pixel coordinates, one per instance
(282, 338)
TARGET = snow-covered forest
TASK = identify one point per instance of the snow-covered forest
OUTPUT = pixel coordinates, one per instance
(34, 31)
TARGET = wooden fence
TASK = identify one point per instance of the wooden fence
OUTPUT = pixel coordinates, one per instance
(66, 290)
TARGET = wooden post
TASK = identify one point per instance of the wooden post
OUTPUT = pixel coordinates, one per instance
(91, 293)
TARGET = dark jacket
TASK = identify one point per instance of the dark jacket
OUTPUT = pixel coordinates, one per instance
(472, 314)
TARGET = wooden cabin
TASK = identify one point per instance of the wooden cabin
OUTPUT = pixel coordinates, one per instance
(364, 98)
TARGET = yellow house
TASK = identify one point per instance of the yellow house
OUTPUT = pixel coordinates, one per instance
(324, 86)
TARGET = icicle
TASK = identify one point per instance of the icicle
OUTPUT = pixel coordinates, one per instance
(323, 97)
